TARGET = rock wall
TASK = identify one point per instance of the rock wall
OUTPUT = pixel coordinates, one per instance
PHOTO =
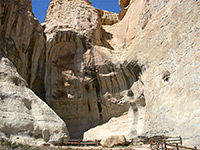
(148, 63)
(168, 46)
(108, 18)
(24, 117)
(82, 85)
(23, 41)
(163, 37)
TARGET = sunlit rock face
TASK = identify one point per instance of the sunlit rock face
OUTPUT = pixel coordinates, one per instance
(162, 36)
(88, 67)
(109, 18)
(82, 84)
(24, 117)
(167, 44)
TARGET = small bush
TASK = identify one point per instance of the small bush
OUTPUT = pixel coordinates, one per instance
(13, 146)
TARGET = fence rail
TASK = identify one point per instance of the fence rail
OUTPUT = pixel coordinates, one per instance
(79, 142)
(168, 143)
(156, 142)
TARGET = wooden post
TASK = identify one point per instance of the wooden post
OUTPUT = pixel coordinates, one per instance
(96, 142)
(177, 146)
(157, 145)
(181, 140)
(132, 141)
(165, 146)
(150, 142)
(195, 148)
(79, 142)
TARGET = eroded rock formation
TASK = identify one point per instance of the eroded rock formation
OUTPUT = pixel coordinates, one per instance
(97, 68)
(24, 117)
(109, 18)
(163, 36)
(23, 41)
(82, 85)
(168, 43)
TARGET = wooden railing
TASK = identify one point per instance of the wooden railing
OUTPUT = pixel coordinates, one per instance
(168, 143)
(156, 142)
(132, 141)
(79, 142)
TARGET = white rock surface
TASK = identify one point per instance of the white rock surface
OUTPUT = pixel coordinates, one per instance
(163, 37)
(23, 116)
(114, 140)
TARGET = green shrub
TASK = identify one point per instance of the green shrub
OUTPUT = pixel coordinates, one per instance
(12, 146)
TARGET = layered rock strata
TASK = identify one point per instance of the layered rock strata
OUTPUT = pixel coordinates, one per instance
(109, 18)
(168, 44)
(82, 85)
(23, 41)
(163, 36)
(24, 117)
(148, 63)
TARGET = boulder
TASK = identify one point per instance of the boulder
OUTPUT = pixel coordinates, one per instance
(114, 140)
(115, 126)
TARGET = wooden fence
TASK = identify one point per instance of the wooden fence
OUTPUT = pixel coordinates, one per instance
(168, 143)
(156, 142)
(79, 142)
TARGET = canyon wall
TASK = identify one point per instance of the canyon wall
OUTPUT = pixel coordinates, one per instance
(90, 67)
(24, 117)
(82, 85)
(23, 42)
(168, 44)
(163, 37)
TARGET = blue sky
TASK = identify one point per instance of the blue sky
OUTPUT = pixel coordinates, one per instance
(40, 7)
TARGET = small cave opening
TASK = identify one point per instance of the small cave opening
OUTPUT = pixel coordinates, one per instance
(166, 76)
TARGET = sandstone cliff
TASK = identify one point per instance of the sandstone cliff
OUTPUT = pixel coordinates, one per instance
(23, 116)
(89, 67)
(168, 43)
(82, 85)
(23, 41)
(163, 37)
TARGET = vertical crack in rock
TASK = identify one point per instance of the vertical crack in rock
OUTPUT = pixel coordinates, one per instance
(94, 74)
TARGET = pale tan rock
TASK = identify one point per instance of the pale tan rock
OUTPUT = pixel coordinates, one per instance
(81, 18)
(163, 37)
(94, 74)
(114, 140)
(124, 4)
(122, 13)
(130, 23)
(82, 85)
(55, 2)
(45, 134)
(109, 18)
(115, 126)
(168, 42)
(23, 41)
(24, 118)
